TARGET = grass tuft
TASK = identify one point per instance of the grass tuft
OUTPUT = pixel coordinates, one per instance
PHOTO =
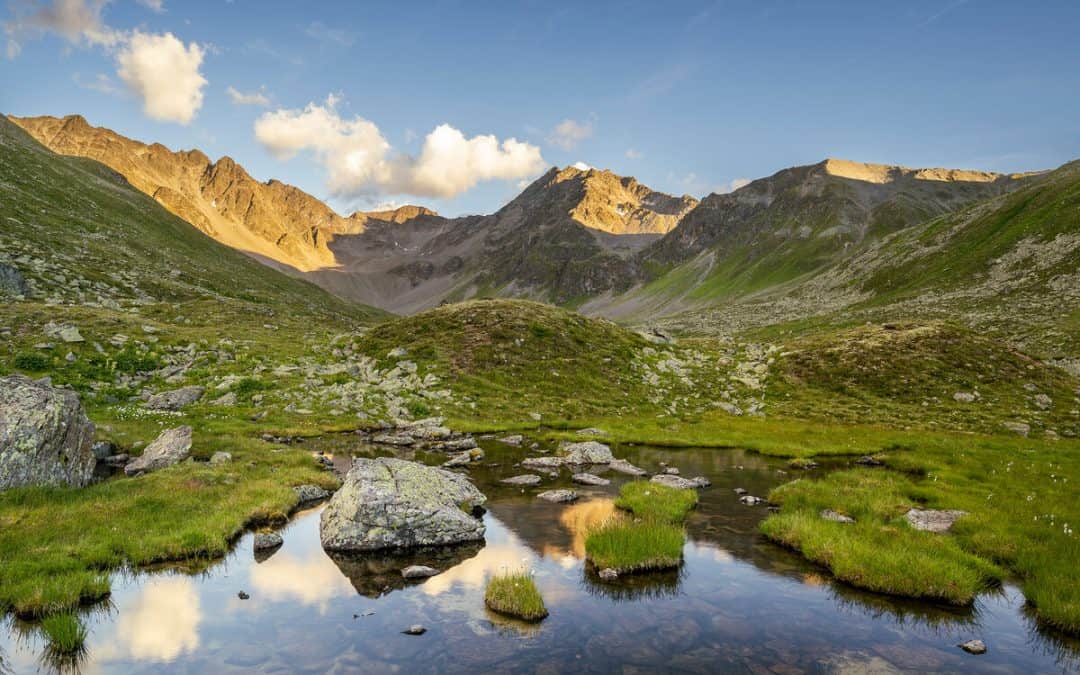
(65, 633)
(515, 594)
(635, 546)
(651, 501)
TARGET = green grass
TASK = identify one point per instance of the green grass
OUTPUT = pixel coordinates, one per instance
(515, 594)
(64, 632)
(629, 546)
(651, 501)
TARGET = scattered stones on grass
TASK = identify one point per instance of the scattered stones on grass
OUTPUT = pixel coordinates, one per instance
(589, 479)
(933, 521)
(558, 496)
(170, 447)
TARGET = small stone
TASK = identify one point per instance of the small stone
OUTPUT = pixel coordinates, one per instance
(589, 479)
(416, 629)
(751, 500)
(515, 440)
(558, 496)
(867, 460)
(243, 596)
(933, 521)
(672, 471)
(220, 458)
(609, 574)
(623, 466)
(965, 397)
(681, 483)
(310, 493)
(1043, 402)
(70, 334)
(740, 491)
(525, 479)
(829, 514)
(542, 462)
(267, 540)
(1019, 428)
(973, 646)
(418, 572)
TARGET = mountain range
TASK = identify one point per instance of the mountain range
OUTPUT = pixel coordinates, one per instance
(830, 241)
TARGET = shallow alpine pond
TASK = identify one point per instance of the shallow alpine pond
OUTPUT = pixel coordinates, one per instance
(738, 603)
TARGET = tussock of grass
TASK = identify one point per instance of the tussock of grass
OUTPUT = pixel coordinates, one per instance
(64, 632)
(651, 501)
(635, 546)
(515, 594)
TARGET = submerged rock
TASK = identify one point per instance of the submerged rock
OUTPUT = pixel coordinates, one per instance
(176, 399)
(558, 496)
(589, 479)
(623, 466)
(171, 447)
(542, 462)
(525, 479)
(933, 521)
(973, 646)
(45, 436)
(393, 503)
(515, 440)
(680, 482)
(586, 452)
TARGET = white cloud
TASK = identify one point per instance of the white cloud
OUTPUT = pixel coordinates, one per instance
(581, 166)
(633, 154)
(159, 68)
(360, 161)
(569, 133)
(100, 83)
(320, 32)
(238, 97)
(155, 5)
(164, 73)
(733, 185)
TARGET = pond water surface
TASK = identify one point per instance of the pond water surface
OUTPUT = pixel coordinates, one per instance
(739, 604)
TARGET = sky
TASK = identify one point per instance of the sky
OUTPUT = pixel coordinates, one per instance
(459, 105)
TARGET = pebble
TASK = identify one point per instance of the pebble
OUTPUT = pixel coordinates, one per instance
(416, 629)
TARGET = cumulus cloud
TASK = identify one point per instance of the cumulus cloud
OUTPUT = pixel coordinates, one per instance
(569, 133)
(359, 161)
(581, 166)
(159, 68)
(238, 97)
(164, 73)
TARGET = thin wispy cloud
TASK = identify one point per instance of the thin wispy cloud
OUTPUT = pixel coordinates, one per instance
(320, 32)
(256, 98)
(568, 133)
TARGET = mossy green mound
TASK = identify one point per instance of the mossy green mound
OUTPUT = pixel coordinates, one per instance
(515, 594)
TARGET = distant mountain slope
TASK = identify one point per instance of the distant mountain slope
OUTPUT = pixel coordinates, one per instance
(76, 232)
(1009, 265)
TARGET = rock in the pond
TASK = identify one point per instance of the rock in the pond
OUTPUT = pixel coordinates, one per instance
(220, 458)
(416, 629)
(515, 440)
(558, 496)
(933, 521)
(243, 596)
(836, 517)
(171, 447)
(587, 452)
(751, 500)
(623, 466)
(542, 462)
(609, 574)
(310, 493)
(672, 471)
(175, 399)
(45, 436)
(589, 479)
(525, 479)
(264, 541)
(973, 646)
(680, 482)
(418, 572)
(393, 503)
(741, 491)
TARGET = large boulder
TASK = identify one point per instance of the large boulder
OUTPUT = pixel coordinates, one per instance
(12, 281)
(171, 447)
(389, 503)
(45, 436)
(587, 452)
(176, 399)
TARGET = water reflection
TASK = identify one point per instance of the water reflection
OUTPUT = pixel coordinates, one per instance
(159, 623)
(376, 574)
(309, 579)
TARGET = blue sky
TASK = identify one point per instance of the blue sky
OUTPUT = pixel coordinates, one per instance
(686, 96)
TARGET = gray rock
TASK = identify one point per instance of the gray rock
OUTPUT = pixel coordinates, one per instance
(587, 452)
(170, 447)
(265, 541)
(418, 572)
(228, 399)
(515, 440)
(393, 503)
(310, 493)
(1021, 428)
(70, 334)
(829, 514)
(542, 462)
(416, 629)
(680, 482)
(965, 397)
(740, 491)
(933, 521)
(1043, 402)
(609, 574)
(102, 449)
(751, 500)
(672, 471)
(525, 479)
(45, 436)
(12, 282)
(558, 496)
(973, 646)
(589, 479)
(623, 466)
(220, 458)
(591, 431)
(176, 399)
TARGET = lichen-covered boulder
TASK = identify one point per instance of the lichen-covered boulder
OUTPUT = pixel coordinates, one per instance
(175, 399)
(45, 436)
(389, 503)
(170, 447)
(587, 452)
